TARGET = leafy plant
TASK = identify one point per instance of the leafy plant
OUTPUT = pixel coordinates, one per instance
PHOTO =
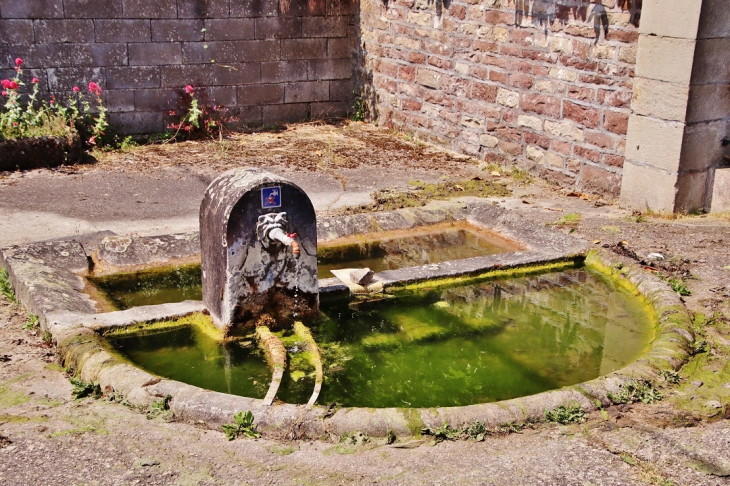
(477, 430)
(390, 437)
(565, 414)
(359, 109)
(82, 389)
(160, 408)
(700, 346)
(243, 426)
(199, 118)
(680, 287)
(671, 376)
(31, 323)
(5, 288)
(442, 433)
(636, 391)
(513, 427)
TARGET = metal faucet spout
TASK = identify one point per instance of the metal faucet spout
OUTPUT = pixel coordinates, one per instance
(278, 234)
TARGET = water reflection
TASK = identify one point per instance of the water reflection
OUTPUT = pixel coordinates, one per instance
(481, 343)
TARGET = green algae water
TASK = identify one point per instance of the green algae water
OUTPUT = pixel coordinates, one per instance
(150, 287)
(190, 355)
(461, 345)
(179, 283)
(390, 253)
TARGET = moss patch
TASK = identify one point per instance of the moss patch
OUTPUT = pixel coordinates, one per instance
(497, 273)
(199, 320)
(420, 193)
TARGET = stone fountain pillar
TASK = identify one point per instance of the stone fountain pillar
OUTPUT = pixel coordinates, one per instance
(258, 238)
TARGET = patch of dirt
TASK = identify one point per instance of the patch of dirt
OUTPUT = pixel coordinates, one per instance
(312, 147)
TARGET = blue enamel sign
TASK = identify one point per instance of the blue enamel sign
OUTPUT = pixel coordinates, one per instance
(271, 197)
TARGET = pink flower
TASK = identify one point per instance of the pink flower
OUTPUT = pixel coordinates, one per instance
(5, 83)
(76, 89)
(13, 85)
(18, 61)
(94, 88)
(15, 124)
(35, 81)
(5, 93)
(189, 89)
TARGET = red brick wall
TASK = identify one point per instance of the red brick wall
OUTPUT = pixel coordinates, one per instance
(523, 81)
(266, 60)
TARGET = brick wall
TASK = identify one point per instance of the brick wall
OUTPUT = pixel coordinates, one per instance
(537, 82)
(265, 60)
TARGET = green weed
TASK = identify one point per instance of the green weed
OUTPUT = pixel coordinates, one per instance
(5, 288)
(513, 427)
(359, 110)
(565, 414)
(243, 426)
(636, 391)
(477, 430)
(520, 175)
(31, 323)
(390, 437)
(700, 346)
(679, 287)
(82, 389)
(160, 409)
(442, 433)
(569, 219)
(671, 376)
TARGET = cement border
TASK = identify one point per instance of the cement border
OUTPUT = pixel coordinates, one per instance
(46, 279)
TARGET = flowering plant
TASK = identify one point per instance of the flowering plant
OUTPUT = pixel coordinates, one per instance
(198, 118)
(32, 117)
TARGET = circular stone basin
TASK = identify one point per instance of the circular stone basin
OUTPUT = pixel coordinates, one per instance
(449, 346)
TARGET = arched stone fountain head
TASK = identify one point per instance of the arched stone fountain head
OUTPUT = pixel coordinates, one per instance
(258, 238)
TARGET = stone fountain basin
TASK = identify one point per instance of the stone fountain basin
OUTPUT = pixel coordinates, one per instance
(48, 279)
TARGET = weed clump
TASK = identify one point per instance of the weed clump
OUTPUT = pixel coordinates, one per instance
(160, 409)
(243, 426)
(82, 389)
(440, 434)
(565, 415)
(6, 288)
(636, 391)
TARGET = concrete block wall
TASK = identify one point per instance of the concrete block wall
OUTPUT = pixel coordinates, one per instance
(266, 61)
(537, 82)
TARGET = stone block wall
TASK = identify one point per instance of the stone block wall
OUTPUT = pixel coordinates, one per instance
(266, 61)
(545, 83)
(681, 106)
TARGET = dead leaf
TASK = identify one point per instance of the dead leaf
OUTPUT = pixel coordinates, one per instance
(495, 173)
(554, 209)
(595, 242)
(574, 194)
